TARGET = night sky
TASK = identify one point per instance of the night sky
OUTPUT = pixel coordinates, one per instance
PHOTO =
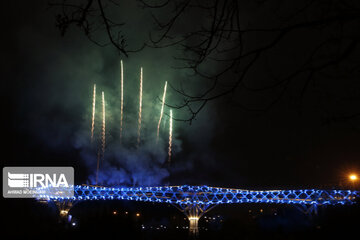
(298, 134)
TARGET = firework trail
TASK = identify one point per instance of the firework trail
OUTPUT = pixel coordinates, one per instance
(103, 126)
(93, 115)
(122, 98)
(140, 106)
(170, 134)
(161, 112)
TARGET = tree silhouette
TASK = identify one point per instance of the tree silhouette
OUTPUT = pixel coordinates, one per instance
(223, 45)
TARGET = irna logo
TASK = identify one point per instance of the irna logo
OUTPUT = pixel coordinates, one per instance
(20, 180)
(34, 182)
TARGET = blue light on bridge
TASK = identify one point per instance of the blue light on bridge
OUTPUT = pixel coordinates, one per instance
(204, 195)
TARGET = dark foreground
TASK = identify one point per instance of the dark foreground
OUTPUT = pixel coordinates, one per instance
(28, 219)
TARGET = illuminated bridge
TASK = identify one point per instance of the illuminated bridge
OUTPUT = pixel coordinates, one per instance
(194, 201)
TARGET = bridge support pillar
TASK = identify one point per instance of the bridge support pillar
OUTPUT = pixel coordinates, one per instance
(194, 227)
(310, 210)
(64, 207)
(194, 212)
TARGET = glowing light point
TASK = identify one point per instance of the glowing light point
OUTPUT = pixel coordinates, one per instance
(353, 177)
(64, 212)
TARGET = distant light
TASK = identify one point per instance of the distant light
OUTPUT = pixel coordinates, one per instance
(74, 224)
(64, 212)
(126, 213)
(138, 214)
(114, 212)
(353, 177)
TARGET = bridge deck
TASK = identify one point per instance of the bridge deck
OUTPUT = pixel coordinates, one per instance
(209, 195)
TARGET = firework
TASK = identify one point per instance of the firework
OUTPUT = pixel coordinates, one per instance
(140, 107)
(122, 98)
(103, 126)
(161, 112)
(170, 134)
(93, 114)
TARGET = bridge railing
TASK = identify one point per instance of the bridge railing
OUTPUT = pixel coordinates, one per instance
(210, 195)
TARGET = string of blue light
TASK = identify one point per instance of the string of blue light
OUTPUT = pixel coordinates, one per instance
(204, 195)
